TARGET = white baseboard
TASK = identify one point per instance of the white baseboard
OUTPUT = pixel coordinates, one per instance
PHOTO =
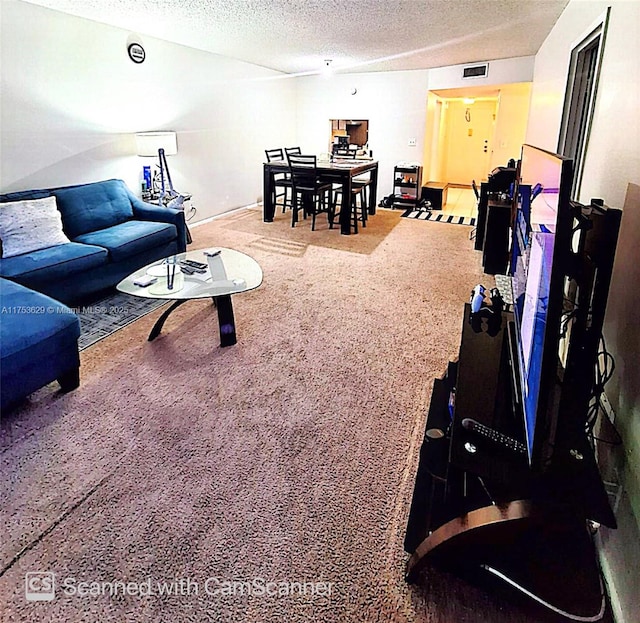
(217, 216)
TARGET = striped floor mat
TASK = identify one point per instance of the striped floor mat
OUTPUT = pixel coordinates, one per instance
(425, 215)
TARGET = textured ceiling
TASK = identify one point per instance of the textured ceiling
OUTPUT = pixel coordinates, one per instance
(296, 36)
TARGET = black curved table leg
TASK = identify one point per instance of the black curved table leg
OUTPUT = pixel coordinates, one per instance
(226, 320)
(155, 332)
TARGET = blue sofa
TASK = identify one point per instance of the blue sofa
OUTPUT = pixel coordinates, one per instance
(38, 343)
(112, 234)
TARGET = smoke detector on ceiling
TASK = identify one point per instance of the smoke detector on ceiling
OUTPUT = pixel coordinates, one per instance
(327, 69)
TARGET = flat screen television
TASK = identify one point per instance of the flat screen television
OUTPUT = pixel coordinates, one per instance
(540, 255)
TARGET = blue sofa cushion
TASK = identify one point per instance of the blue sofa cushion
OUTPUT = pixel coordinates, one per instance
(32, 321)
(38, 342)
(93, 206)
(128, 239)
(53, 263)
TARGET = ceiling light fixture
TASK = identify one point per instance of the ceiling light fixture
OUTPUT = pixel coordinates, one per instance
(469, 100)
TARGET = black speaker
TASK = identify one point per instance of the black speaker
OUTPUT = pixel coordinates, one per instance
(495, 249)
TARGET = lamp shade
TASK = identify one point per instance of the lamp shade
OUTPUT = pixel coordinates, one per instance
(149, 143)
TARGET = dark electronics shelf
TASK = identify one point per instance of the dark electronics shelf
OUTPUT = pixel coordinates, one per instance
(407, 182)
(508, 487)
(499, 182)
(478, 506)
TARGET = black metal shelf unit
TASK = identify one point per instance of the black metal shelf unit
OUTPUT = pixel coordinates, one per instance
(407, 182)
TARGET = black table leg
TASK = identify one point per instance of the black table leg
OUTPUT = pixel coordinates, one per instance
(373, 190)
(226, 320)
(155, 332)
(345, 207)
(268, 206)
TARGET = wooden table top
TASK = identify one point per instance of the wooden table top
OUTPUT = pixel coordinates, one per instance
(336, 165)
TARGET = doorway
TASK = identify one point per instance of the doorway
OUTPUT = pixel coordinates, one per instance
(469, 127)
(469, 132)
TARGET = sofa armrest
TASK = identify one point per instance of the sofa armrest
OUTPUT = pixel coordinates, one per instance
(148, 212)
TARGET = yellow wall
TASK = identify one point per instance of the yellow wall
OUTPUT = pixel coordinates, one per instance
(511, 123)
(435, 140)
(429, 159)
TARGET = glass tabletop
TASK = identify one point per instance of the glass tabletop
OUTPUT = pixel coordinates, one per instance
(228, 272)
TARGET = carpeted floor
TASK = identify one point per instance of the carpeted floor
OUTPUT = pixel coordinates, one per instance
(288, 457)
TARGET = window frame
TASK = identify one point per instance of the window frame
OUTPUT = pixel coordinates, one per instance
(580, 98)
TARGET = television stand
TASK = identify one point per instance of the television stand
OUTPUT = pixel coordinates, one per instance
(479, 510)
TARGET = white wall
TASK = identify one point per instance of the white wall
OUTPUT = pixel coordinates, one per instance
(393, 102)
(612, 161)
(615, 125)
(502, 71)
(72, 100)
(511, 123)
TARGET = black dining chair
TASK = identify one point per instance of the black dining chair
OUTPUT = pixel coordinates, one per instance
(476, 192)
(358, 200)
(280, 180)
(351, 153)
(309, 191)
(292, 151)
(345, 153)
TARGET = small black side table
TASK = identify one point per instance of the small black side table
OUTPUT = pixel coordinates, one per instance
(154, 198)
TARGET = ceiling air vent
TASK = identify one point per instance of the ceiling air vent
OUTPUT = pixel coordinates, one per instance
(476, 71)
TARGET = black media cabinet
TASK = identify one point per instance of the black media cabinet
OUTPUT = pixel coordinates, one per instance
(436, 194)
(478, 509)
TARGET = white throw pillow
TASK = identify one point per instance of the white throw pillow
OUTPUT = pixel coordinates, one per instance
(30, 225)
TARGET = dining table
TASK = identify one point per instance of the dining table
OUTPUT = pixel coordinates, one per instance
(337, 172)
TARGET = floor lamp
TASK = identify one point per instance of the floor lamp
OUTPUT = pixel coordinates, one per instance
(163, 144)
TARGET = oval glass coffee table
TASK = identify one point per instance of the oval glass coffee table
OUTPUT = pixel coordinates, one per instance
(219, 277)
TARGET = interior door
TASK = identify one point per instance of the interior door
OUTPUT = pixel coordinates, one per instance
(469, 132)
